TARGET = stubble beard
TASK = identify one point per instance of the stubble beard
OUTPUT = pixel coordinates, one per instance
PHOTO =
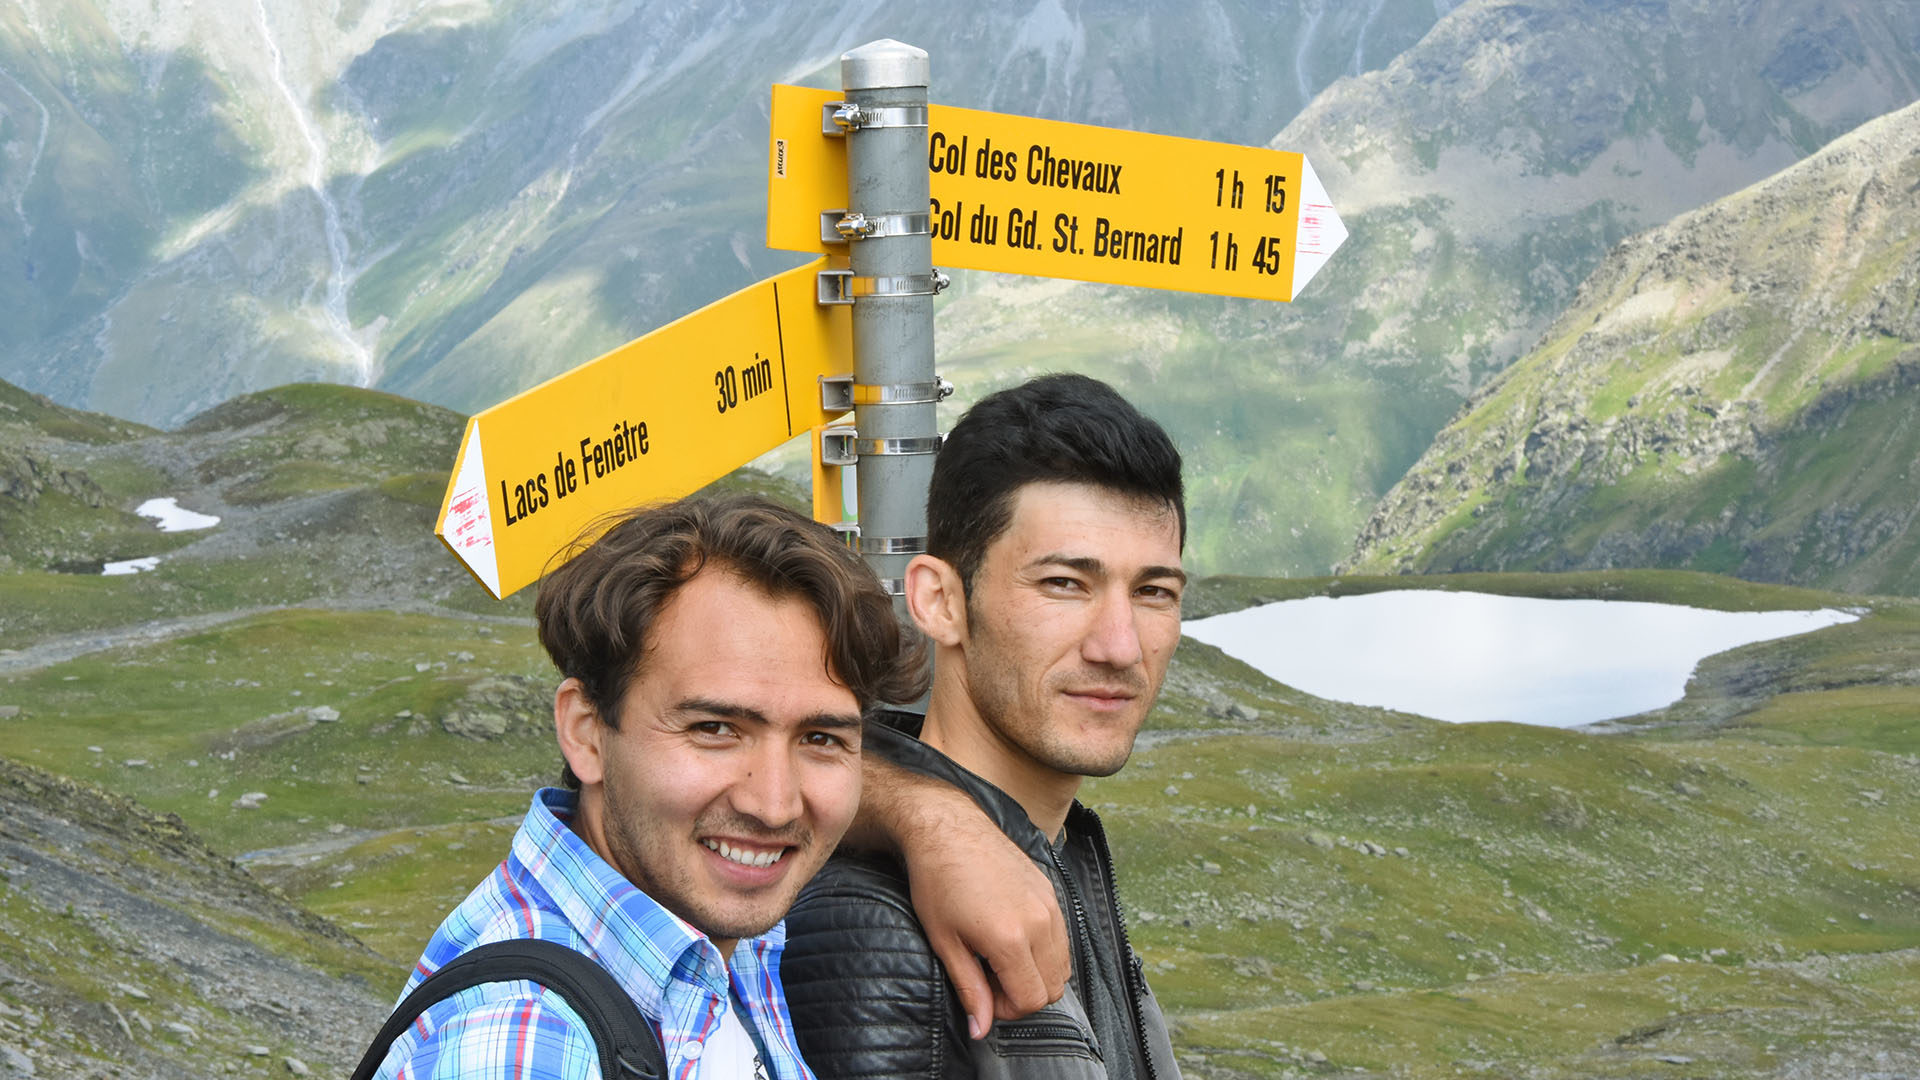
(632, 852)
(994, 685)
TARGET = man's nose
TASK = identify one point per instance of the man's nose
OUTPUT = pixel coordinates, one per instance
(770, 791)
(1113, 639)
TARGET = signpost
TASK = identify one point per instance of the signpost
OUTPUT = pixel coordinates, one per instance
(1023, 196)
(897, 186)
(657, 418)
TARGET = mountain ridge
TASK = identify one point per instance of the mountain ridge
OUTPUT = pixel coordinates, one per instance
(1484, 173)
(1734, 391)
(521, 189)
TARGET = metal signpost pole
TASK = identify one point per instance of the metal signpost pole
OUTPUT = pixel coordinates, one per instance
(1094, 204)
(892, 287)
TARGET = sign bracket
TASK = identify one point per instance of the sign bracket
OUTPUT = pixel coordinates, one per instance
(840, 226)
(892, 545)
(839, 393)
(840, 117)
(836, 446)
(844, 286)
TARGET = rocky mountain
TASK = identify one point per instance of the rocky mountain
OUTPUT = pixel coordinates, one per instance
(456, 200)
(130, 945)
(1484, 173)
(324, 495)
(453, 202)
(1737, 391)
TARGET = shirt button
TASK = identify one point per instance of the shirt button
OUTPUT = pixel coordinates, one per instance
(691, 1051)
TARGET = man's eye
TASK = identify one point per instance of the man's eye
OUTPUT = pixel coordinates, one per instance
(824, 739)
(719, 729)
(1160, 593)
(1063, 583)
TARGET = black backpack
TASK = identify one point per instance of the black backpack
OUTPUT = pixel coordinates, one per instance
(628, 1045)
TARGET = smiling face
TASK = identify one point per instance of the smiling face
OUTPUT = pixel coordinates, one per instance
(1073, 616)
(736, 765)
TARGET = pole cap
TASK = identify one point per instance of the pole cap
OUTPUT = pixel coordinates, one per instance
(883, 64)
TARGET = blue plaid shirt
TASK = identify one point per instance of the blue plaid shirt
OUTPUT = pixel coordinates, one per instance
(553, 887)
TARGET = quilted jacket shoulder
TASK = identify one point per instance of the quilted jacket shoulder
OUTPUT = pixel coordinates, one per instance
(875, 998)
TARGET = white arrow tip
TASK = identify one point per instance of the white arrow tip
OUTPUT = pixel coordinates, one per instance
(1321, 232)
(468, 526)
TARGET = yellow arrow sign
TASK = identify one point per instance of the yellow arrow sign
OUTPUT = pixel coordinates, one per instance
(1024, 196)
(657, 418)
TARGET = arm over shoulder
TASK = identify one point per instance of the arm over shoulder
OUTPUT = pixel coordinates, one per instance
(480, 1034)
(868, 996)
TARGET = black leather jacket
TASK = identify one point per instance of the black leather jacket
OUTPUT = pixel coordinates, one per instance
(870, 1000)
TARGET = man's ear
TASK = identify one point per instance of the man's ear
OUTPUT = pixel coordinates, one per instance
(580, 730)
(936, 600)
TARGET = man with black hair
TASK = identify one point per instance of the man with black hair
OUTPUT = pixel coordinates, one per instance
(1051, 593)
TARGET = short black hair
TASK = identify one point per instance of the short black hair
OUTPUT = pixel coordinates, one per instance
(1057, 428)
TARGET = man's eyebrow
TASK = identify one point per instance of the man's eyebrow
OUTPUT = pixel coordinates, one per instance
(1153, 572)
(729, 711)
(1086, 564)
(724, 709)
(1091, 566)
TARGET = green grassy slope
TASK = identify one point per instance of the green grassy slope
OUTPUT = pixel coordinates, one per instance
(1735, 883)
(1744, 832)
(354, 722)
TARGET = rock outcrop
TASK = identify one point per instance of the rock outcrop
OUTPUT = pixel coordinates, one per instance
(1738, 391)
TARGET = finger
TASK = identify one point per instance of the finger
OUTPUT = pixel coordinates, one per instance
(975, 991)
(1022, 988)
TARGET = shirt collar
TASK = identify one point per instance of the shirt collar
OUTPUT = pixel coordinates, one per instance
(642, 944)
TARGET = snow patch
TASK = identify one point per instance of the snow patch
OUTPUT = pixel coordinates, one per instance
(130, 566)
(172, 517)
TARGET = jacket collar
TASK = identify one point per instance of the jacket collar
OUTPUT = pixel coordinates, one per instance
(894, 735)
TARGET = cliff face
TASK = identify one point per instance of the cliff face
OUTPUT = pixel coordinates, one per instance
(1738, 391)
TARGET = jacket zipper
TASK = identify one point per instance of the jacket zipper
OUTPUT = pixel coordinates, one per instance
(1098, 837)
(1043, 1031)
(1084, 938)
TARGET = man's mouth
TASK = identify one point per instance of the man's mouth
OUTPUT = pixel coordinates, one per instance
(745, 856)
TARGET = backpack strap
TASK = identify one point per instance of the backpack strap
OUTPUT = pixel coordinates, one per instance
(629, 1048)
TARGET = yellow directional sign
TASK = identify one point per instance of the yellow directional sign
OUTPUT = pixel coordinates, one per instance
(1024, 196)
(655, 419)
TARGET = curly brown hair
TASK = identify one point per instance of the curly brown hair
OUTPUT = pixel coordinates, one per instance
(595, 610)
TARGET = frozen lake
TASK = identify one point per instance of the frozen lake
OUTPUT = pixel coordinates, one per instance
(1463, 656)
